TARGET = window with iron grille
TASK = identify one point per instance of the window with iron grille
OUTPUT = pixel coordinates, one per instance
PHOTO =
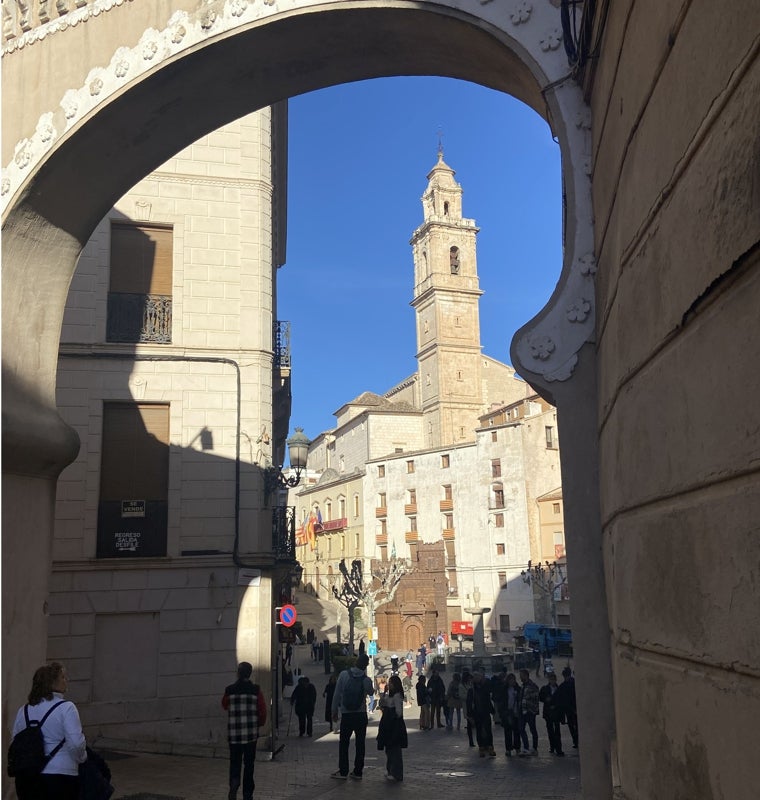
(140, 287)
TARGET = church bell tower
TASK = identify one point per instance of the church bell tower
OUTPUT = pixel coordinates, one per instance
(446, 302)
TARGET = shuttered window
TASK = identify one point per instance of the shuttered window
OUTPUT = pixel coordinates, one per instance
(135, 454)
(141, 259)
(134, 481)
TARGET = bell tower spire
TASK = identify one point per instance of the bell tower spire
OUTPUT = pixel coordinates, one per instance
(446, 302)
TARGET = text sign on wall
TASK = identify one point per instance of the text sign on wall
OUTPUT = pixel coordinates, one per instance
(132, 508)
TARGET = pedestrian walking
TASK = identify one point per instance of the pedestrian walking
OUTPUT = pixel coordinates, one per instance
(437, 697)
(304, 700)
(350, 706)
(480, 708)
(246, 712)
(566, 703)
(552, 713)
(391, 733)
(423, 701)
(62, 735)
(454, 702)
(469, 720)
(328, 693)
(528, 711)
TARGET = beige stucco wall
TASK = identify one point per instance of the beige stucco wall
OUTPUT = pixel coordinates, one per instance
(677, 210)
(192, 617)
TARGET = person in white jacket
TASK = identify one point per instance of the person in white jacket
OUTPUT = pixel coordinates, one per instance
(62, 733)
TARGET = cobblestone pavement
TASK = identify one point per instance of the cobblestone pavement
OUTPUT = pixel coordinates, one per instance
(436, 763)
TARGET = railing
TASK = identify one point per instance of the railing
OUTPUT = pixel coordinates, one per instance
(139, 318)
(381, 511)
(447, 505)
(20, 16)
(284, 533)
(281, 343)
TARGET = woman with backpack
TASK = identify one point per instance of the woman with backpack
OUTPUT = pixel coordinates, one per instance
(54, 776)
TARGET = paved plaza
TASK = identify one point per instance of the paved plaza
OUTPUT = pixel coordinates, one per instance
(437, 763)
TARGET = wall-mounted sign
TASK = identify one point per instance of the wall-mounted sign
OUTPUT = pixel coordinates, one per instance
(132, 508)
(248, 576)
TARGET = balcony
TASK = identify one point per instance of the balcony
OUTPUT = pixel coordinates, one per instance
(284, 533)
(139, 318)
(447, 534)
(381, 511)
(447, 505)
(411, 536)
(410, 508)
(381, 538)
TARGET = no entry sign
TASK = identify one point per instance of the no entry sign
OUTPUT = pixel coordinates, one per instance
(288, 615)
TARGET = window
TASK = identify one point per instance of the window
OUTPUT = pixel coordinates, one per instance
(426, 326)
(342, 507)
(140, 288)
(356, 543)
(504, 623)
(461, 432)
(412, 497)
(342, 544)
(559, 537)
(447, 492)
(342, 463)
(445, 461)
(498, 497)
(555, 508)
(549, 436)
(501, 549)
(454, 258)
(381, 502)
(496, 468)
(383, 527)
(499, 520)
(412, 524)
(381, 471)
(502, 580)
(410, 466)
(328, 509)
(494, 434)
(448, 521)
(134, 480)
(356, 505)
(446, 209)
(457, 322)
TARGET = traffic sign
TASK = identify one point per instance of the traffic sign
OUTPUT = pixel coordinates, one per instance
(288, 615)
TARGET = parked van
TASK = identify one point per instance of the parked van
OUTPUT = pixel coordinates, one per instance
(556, 641)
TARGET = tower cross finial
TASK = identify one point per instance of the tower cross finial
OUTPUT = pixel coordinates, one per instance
(440, 142)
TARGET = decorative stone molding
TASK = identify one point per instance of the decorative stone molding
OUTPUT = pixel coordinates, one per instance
(547, 345)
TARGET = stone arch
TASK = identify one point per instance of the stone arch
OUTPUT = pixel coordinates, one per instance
(119, 114)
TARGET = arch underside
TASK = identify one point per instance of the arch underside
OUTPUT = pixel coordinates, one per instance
(116, 130)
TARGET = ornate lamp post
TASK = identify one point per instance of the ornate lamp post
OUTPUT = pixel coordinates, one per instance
(298, 450)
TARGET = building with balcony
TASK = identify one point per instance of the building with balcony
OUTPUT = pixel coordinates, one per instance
(447, 465)
(169, 552)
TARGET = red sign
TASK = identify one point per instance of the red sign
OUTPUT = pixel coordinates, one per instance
(461, 626)
(288, 615)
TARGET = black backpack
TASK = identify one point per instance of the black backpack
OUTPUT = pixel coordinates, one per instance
(26, 754)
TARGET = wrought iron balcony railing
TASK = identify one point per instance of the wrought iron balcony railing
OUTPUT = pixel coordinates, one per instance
(139, 318)
(281, 342)
(284, 533)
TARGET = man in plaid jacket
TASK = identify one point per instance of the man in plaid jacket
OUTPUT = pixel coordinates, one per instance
(247, 710)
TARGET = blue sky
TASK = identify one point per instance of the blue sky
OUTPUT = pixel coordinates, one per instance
(359, 155)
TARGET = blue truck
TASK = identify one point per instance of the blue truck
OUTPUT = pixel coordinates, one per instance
(545, 638)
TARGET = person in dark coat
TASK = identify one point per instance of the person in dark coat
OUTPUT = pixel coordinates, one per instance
(328, 693)
(552, 713)
(423, 701)
(437, 698)
(566, 703)
(304, 700)
(480, 708)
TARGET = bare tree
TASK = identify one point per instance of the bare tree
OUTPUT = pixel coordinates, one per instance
(547, 579)
(386, 576)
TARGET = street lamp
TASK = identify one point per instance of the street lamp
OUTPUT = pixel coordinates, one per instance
(298, 450)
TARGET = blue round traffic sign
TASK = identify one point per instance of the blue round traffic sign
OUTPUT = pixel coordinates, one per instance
(288, 615)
